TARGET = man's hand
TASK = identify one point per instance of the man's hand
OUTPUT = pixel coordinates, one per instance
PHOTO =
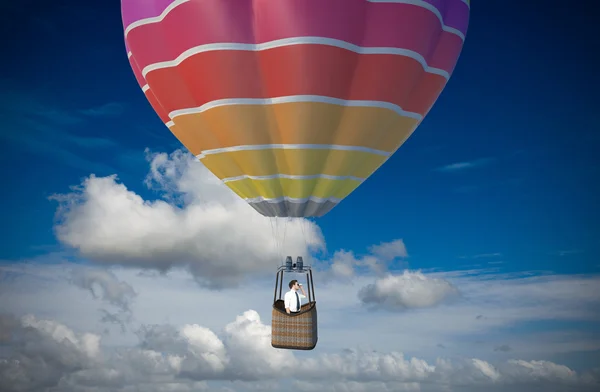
(303, 292)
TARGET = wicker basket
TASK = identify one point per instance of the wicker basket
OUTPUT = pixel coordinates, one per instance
(296, 331)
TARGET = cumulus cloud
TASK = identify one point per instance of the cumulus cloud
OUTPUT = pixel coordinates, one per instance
(104, 284)
(390, 250)
(189, 338)
(47, 354)
(199, 224)
(409, 290)
(186, 341)
(42, 351)
(488, 314)
(344, 265)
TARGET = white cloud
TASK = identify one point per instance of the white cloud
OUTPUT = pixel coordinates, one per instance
(200, 225)
(249, 340)
(390, 250)
(409, 290)
(176, 358)
(180, 336)
(86, 344)
(103, 283)
(40, 352)
(344, 265)
(488, 314)
(215, 234)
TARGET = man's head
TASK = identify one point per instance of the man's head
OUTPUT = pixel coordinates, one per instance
(294, 284)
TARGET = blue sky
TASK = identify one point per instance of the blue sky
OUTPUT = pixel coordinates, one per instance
(493, 198)
(518, 112)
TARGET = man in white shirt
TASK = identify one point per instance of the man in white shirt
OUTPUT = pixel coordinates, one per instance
(293, 300)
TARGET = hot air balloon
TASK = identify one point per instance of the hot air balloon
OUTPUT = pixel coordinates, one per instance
(293, 103)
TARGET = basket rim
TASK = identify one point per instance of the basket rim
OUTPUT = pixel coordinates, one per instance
(312, 306)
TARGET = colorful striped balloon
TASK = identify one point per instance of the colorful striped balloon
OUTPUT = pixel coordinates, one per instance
(293, 103)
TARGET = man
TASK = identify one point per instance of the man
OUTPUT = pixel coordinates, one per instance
(292, 299)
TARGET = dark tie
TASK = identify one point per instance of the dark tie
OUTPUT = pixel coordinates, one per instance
(297, 302)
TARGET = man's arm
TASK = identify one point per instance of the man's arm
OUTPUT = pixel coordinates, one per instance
(303, 292)
(287, 303)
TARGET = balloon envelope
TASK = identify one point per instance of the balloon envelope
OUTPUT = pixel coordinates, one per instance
(293, 103)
